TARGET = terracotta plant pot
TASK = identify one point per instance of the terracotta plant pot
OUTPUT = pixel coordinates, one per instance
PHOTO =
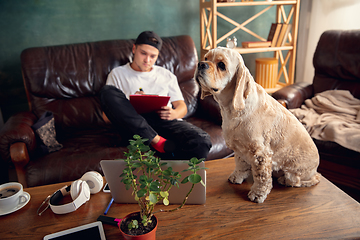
(147, 236)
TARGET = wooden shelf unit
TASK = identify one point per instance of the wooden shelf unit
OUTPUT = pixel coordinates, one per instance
(286, 54)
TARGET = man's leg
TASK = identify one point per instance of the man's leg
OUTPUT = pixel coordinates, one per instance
(122, 114)
(190, 141)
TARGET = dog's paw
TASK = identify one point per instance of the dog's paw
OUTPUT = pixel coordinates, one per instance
(255, 197)
(236, 177)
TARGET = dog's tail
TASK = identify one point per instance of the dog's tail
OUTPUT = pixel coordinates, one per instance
(315, 179)
(296, 181)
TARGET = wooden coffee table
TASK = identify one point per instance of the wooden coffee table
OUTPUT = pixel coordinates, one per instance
(322, 211)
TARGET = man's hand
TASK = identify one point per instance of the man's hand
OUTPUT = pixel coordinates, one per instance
(168, 113)
(140, 92)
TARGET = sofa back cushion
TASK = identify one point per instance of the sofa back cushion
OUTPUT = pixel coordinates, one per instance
(337, 62)
(66, 79)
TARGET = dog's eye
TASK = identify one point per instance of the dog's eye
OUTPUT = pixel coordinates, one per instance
(205, 59)
(221, 65)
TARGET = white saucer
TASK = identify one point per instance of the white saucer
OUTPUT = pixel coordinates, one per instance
(21, 205)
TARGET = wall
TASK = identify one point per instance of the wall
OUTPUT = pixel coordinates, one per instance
(34, 23)
(317, 16)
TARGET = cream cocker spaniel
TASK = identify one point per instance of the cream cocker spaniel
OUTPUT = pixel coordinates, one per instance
(264, 135)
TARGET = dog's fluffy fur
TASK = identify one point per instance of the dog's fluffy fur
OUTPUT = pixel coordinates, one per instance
(264, 135)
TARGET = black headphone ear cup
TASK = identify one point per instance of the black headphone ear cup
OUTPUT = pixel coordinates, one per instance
(94, 180)
(75, 189)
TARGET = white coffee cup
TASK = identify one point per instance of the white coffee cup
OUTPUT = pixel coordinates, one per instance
(11, 195)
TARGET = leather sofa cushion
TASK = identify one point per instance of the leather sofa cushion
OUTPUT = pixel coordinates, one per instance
(337, 62)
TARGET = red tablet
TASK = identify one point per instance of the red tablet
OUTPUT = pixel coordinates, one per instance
(148, 103)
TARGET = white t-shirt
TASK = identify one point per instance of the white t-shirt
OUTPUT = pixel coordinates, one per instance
(159, 81)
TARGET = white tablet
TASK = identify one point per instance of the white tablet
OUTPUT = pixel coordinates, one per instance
(91, 231)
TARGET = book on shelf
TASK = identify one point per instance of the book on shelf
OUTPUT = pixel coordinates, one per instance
(285, 29)
(256, 44)
(274, 33)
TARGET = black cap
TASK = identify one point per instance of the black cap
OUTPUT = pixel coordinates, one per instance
(150, 38)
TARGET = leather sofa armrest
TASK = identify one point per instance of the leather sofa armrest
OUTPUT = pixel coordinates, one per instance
(20, 157)
(210, 108)
(293, 96)
(17, 130)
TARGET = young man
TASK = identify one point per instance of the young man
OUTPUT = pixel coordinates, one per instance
(165, 130)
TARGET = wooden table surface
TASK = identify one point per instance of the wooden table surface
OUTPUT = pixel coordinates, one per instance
(319, 212)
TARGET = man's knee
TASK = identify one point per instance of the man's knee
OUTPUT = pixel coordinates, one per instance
(205, 146)
(109, 93)
(201, 145)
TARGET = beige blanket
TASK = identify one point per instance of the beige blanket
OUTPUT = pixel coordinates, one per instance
(332, 116)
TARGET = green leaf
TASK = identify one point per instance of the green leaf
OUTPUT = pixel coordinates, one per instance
(155, 187)
(137, 165)
(145, 221)
(185, 180)
(144, 148)
(133, 224)
(166, 201)
(131, 148)
(143, 179)
(193, 160)
(194, 178)
(141, 193)
(150, 164)
(126, 180)
(153, 198)
(202, 183)
(196, 161)
(174, 182)
(164, 194)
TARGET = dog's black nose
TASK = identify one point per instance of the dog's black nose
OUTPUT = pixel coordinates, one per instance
(202, 65)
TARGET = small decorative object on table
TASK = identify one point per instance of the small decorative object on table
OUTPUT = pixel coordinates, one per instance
(231, 42)
(266, 72)
(151, 186)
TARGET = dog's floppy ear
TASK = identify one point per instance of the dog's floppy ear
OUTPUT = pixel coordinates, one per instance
(242, 87)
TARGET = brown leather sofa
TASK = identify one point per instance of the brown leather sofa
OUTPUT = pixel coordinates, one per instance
(337, 67)
(66, 80)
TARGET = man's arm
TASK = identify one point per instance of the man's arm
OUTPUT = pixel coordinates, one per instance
(179, 111)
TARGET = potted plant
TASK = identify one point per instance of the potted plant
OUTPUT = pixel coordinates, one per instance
(150, 181)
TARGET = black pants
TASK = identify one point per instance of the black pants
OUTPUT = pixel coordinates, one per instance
(190, 140)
